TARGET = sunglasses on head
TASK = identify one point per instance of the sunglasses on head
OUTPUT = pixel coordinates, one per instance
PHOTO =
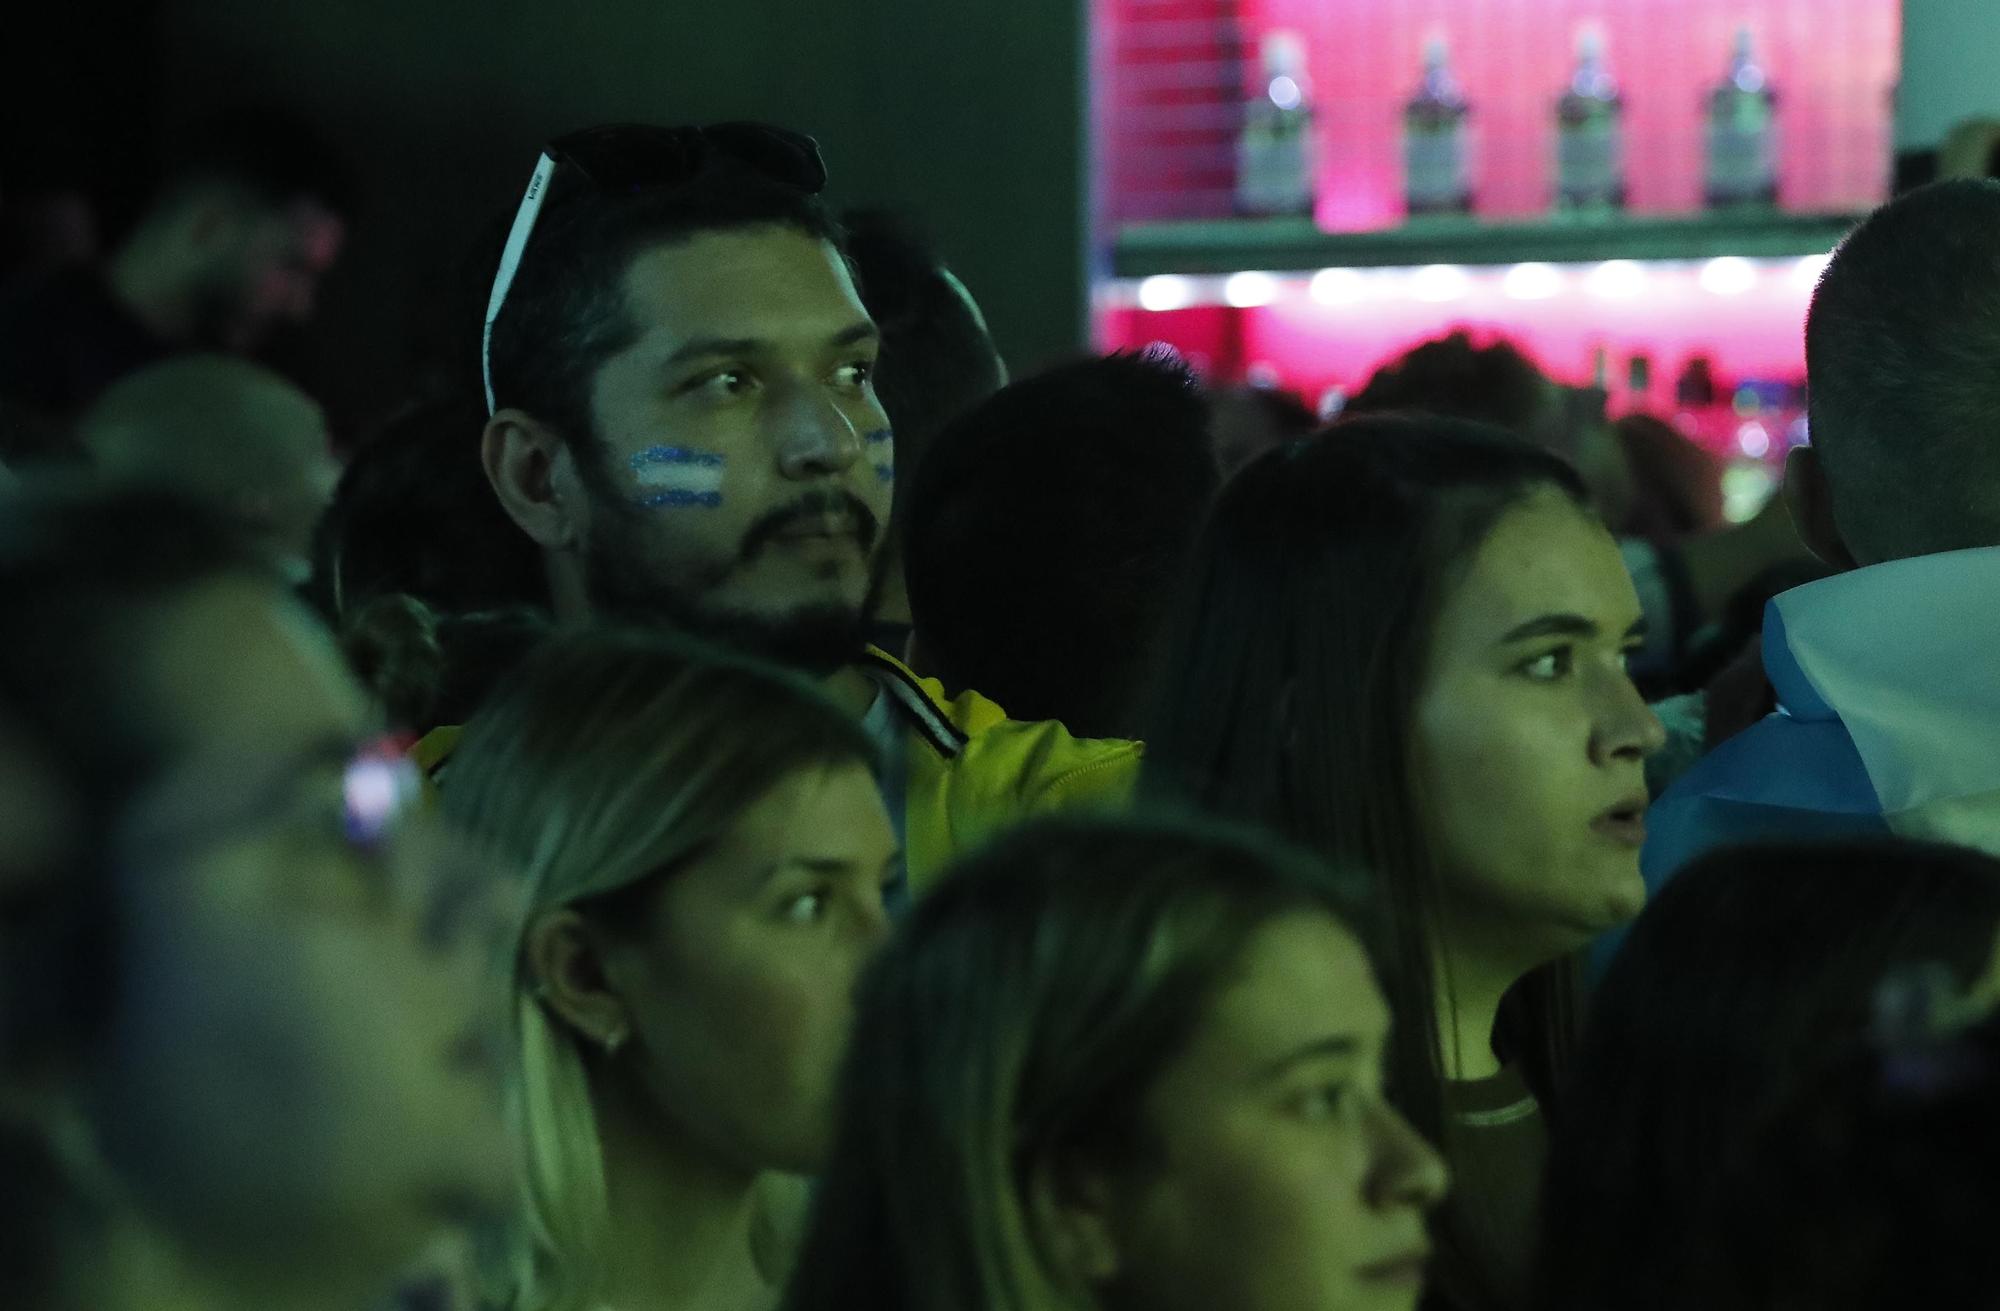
(622, 159)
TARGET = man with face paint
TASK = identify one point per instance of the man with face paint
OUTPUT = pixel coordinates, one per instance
(682, 420)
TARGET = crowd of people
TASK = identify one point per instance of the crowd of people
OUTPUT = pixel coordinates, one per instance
(732, 801)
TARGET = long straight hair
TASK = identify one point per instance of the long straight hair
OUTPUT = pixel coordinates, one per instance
(1290, 684)
(1017, 1022)
(605, 762)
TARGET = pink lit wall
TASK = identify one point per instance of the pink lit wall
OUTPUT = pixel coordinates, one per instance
(1178, 68)
(1751, 330)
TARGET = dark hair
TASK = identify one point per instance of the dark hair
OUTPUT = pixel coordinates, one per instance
(1452, 376)
(1046, 533)
(78, 573)
(414, 516)
(428, 669)
(1020, 1017)
(937, 360)
(1294, 668)
(1676, 485)
(266, 150)
(1753, 965)
(1872, 1188)
(566, 313)
(1900, 344)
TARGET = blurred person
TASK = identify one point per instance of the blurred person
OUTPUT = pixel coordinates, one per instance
(245, 1033)
(251, 214)
(1676, 485)
(1403, 647)
(1685, 583)
(1047, 531)
(706, 852)
(937, 361)
(1753, 968)
(684, 425)
(1249, 420)
(1119, 1064)
(224, 432)
(1887, 681)
(1872, 1187)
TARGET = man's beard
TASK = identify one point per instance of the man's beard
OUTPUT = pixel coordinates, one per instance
(816, 639)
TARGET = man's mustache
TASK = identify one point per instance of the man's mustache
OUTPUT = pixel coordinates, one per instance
(827, 503)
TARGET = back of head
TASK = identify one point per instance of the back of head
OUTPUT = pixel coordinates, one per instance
(1458, 378)
(1020, 1019)
(1047, 530)
(604, 761)
(1900, 344)
(1752, 965)
(413, 515)
(1873, 1187)
(938, 360)
(222, 431)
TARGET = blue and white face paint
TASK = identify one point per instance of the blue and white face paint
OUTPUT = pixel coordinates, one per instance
(882, 454)
(673, 477)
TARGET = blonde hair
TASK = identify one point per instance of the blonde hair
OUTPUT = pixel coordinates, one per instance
(607, 760)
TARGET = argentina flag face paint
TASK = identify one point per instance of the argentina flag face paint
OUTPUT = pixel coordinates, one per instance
(674, 477)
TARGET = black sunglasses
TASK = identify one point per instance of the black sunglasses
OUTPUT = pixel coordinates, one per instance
(627, 158)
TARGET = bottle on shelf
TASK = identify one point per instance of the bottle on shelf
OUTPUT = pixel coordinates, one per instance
(1590, 134)
(1276, 154)
(1742, 133)
(1436, 168)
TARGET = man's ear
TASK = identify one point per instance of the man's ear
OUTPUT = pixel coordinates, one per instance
(565, 966)
(531, 470)
(1810, 501)
(1069, 1209)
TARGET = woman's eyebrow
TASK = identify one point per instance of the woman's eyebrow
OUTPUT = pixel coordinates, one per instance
(1565, 625)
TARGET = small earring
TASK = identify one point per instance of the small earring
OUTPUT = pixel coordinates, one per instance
(613, 1041)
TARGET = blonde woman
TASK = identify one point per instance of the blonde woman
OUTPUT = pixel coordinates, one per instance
(706, 849)
(1123, 1067)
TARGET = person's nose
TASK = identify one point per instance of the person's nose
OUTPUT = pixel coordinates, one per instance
(1405, 1170)
(1624, 727)
(815, 439)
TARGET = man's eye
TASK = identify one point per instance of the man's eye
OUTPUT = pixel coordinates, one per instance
(724, 382)
(856, 374)
(807, 908)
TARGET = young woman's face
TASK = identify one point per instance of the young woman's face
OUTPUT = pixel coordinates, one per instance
(301, 1069)
(1283, 1180)
(740, 989)
(1530, 738)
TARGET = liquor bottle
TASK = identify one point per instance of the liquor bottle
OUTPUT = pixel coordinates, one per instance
(1590, 145)
(1742, 133)
(1276, 156)
(1436, 171)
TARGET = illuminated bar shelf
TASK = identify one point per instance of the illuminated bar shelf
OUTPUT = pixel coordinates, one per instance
(1211, 246)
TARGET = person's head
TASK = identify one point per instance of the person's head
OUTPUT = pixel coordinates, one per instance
(686, 422)
(1248, 420)
(260, 985)
(1751, 967)
(224, 432)
(1402, 645)
(1046, 531)
(414, 516)
(1676, 485)
(1496, 383)
(1872, 1187)
(706, 849)
(1123, 1064)
(938, 359)
(1899, 344)
(251, 213)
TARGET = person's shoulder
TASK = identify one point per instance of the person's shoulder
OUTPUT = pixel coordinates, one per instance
(1038, 758)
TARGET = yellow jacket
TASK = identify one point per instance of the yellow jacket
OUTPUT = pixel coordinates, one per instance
(968, 771)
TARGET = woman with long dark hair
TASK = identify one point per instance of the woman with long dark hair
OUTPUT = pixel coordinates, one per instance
(1123, 1065)
(1403, 647)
